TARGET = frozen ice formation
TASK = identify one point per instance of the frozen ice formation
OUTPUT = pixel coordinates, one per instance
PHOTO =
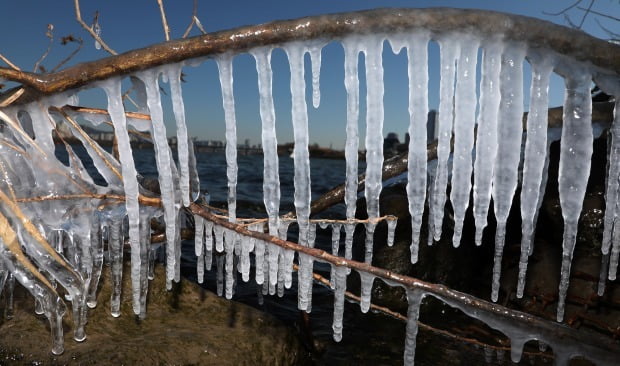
(60, 226)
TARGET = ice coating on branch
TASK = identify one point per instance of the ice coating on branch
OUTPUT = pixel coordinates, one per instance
(373, 50)
(224, 64)
(449, 48)
(164, 168)
(271, 177)
(315, 60)
(509, 132)
(534, 159)
(112, 87)
(575, 155)
(295, 52)
(464, 118)
(173, 73)
(351, 82)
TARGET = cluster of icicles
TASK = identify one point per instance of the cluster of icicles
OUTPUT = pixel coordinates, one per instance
(79, 228)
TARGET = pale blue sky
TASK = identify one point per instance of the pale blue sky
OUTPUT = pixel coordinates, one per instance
(133, 24)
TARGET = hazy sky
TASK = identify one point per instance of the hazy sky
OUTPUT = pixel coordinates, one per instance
(133, 24)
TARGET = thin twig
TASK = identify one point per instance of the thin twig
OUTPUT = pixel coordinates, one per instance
(194, 21)
(80, 43)
(78, 16)
(164, 21)
(585, 15)
(49, 34)
(8, 62)
(564, 10)
(600, 14)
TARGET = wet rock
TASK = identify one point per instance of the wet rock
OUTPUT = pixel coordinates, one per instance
(185, 326)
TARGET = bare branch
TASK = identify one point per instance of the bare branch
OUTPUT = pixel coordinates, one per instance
(600, 14)
(65, 40)
(78, 16)
(164, 21)
(194, 21)
(8, 62)
(585, 15)
(564, 10)
(49, 34)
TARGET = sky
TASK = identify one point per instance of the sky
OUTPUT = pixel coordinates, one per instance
(131, 24)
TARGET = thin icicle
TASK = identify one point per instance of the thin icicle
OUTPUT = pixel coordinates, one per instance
(259, 258)
(417, 53)
(112, 87)
(509, 132)
(575, 154)
(271, 175)
(612, 179)
(391, 226)
(534, 160)
(164, 168)
(218, 233)
(230, 237)
(336, 228)
(449, 47)
(368, 243)
(295, 52)
(414, 298)
(340, 288)
(208, 229)
(366, 280)
(199, 232)
(224, 64)
(173, 73)
(115, 248)
(315, 60)
(351, 82)
(486, 138)
(464, 117)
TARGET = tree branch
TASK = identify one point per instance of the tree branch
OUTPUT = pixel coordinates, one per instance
(78, 17)
(164, 21)
(536, 33)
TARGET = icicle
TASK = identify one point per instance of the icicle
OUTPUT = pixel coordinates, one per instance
(335, 247)
(603, 274)
(96, 247)
(289, 255)
(259, 258)
(486, 138)
(370, 233)
(208, 228)
(534, 160)
(464, 117)
(230, 237)
(145, 243)
(304, 279)
(340, 281)
(449, 48)
(199, 232)
(417, 53)
(610, 198)
(218, 233)
(575, 154)
(115, 246)
(295, 53)
(414, 298)
(247, 246)
(200, 269)
(194, 180)
(351, 82)
(271, 177)
(366, 280)
(349, 230)
(112, 88)
(173, 73)
(163, 160)
(224, 64)
(391, 226)
(273, 252)
(509, 132)
(219, 262)
(315, 59)
(374, 123)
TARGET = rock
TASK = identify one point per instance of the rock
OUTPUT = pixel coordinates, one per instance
(187, 325)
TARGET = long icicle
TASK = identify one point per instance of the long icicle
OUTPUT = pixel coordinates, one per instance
(534, 160)
(486, 138)
(575, 154)
(417, 53)
(509, 132)
(224, 64)
(464, 117)
(116, 110)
